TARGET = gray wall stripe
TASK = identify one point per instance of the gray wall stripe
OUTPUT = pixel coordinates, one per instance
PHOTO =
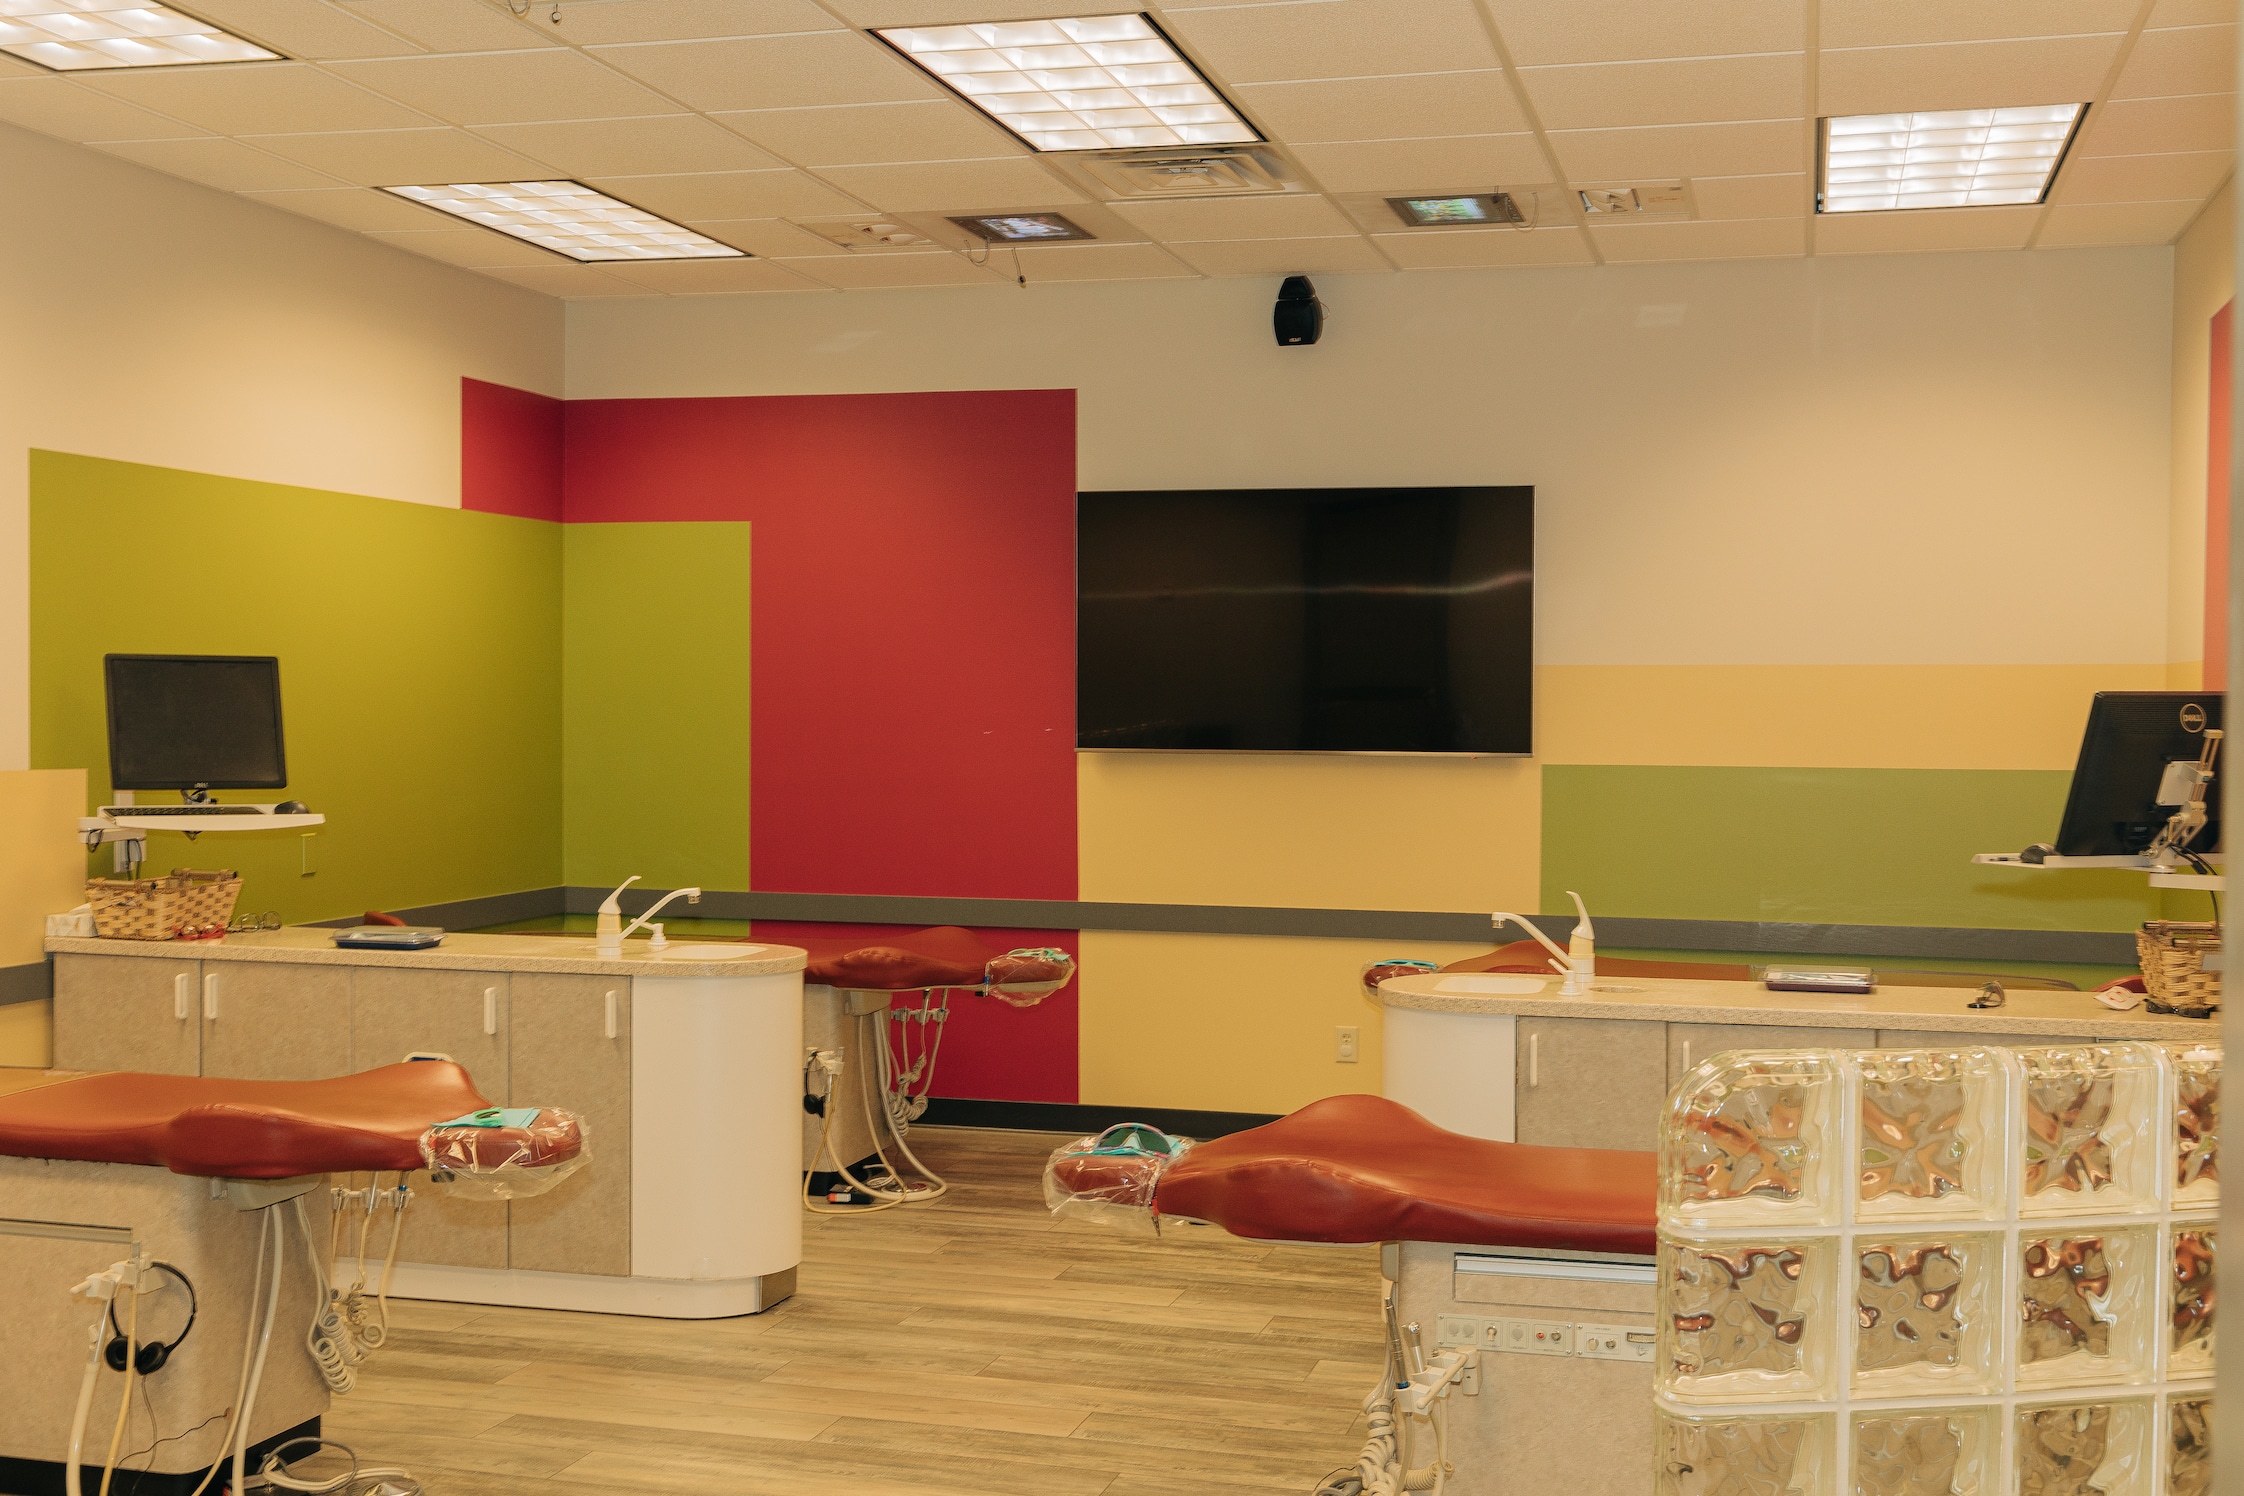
(474, 914)
(30, 983)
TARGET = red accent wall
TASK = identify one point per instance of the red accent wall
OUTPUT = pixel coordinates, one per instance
(2216, 502)
(912, 642)
(510, 451)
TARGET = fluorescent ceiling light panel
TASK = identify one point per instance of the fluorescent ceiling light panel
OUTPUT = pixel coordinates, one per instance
(1022, 228)
(1956, 158)
(75, 35)
(1090, 83)
(1439, 212)
(569, 218)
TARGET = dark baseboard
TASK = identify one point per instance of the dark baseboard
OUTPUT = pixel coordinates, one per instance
(1051, 1116)
(49, 1477)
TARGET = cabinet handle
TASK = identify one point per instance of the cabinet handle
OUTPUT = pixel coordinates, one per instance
(612, 1005)
(210, 998)
(1686, 1054)
(490, 1010)
(179, 995)
(1534, 1060)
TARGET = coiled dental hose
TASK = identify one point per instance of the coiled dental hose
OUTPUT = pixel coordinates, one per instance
(868, 1030)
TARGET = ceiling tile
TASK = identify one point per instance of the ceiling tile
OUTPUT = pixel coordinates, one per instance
(1614, 95)
(2142, 127)
(632, 147)
(1538, 31)
(1893, 23)
(313, 29)
(226, 164)
(1288, 217)
(2184, 60)
(569, 282)
(257, 98)
(1462, 163)
(711, 277)
(2143, 179)
(777, 72)
(772, 238)
(728, 194)
(16, 67)
(1923, 229)
(1400, 108)
(499, 88)
(1743, 239)
(1334, 38)
(1349, 256)
(857, 134)
(58, 106)
(457, 25)
(586, 23)
(399, 158)
(360, 208)
(1443, 249)
(2116, 223)
(2193, 13)
(954, 186)
(870, 13)
(1965, 75)
(471, 247)
(855, 272)
(1093, 262)
(1750, 148)
(1782, 195)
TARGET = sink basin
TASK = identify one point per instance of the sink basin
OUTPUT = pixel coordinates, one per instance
(708, 952)
(1490, 986)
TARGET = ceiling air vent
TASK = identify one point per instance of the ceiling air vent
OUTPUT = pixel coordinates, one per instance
(871, 234)
(1201, 173)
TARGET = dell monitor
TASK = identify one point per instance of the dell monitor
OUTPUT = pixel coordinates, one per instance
(194, 722)
(2113, 809)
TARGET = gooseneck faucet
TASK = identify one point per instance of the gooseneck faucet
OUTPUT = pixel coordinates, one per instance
(608, 941)
(1577, 964)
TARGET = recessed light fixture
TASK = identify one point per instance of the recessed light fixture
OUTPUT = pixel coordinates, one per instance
(569, 218)
(1437, 212)
(1088, 83)
(75, 35)
(1022, 228)
(1956, 158)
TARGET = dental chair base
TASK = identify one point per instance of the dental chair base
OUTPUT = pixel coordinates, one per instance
(178, 1219)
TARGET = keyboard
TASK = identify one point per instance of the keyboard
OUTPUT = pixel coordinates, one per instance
(182, 810)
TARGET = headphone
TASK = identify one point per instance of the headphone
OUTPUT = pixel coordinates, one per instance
(149, 1356)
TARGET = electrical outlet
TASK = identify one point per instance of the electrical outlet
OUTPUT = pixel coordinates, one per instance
(1613, 1342)
(1344, 1044)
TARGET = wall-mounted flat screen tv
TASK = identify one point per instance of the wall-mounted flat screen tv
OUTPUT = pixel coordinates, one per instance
(1306, 620)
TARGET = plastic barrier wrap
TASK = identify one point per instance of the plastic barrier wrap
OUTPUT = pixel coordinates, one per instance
(506, 1163)
(1375, 972)
(1111, 1178)
(1026, 977)
(1928, 1272)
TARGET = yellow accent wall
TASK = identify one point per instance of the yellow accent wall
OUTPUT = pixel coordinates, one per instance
(42, 872)
(1234, 1023)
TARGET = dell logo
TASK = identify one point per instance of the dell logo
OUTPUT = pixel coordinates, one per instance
(2193, 718)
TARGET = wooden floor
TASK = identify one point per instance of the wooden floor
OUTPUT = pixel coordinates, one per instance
(969, 1346)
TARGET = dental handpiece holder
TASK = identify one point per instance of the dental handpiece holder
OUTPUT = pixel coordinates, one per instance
(610, 933)
(1578, 961)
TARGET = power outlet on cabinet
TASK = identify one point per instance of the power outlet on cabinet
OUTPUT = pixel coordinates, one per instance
(1344, 1044)
(1613, 1342)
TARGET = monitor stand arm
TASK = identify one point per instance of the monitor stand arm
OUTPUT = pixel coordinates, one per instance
(2185, 785)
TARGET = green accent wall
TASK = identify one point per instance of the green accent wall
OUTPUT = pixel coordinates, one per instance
(655, 686)
(420, 671)
(1824, 846)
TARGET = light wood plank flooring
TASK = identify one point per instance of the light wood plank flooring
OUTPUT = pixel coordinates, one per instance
(969, 1346)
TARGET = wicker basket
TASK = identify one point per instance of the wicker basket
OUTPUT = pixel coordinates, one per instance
(187, 901)
(2172, 954)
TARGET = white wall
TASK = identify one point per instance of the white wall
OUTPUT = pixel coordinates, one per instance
(152, 320)
(1921, 459)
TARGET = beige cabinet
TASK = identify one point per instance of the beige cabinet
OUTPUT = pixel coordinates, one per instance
(128, 1013)
(1590, 1082)
(461, 1014)
(1690, 1044)
(569, 1042)
(275, 1022)
(1947, 1039)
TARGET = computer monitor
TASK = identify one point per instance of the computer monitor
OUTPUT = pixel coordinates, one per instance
(184, 722)
(2112, 809)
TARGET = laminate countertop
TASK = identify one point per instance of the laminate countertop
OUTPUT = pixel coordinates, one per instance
(2034, 1014)
(311, 945)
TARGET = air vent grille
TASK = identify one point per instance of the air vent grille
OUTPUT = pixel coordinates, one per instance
(1205, 173)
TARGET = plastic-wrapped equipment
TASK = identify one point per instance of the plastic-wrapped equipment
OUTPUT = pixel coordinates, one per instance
(505, 1155)
(1112, 1178)
(1026, 977)
(1375, 972)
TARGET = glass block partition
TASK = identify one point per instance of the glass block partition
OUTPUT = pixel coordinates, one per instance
(1940, 1272)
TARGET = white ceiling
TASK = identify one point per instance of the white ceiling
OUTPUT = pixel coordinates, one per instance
(743, 118)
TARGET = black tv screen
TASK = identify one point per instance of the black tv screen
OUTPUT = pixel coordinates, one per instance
(1285, 620)
(181, 721)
